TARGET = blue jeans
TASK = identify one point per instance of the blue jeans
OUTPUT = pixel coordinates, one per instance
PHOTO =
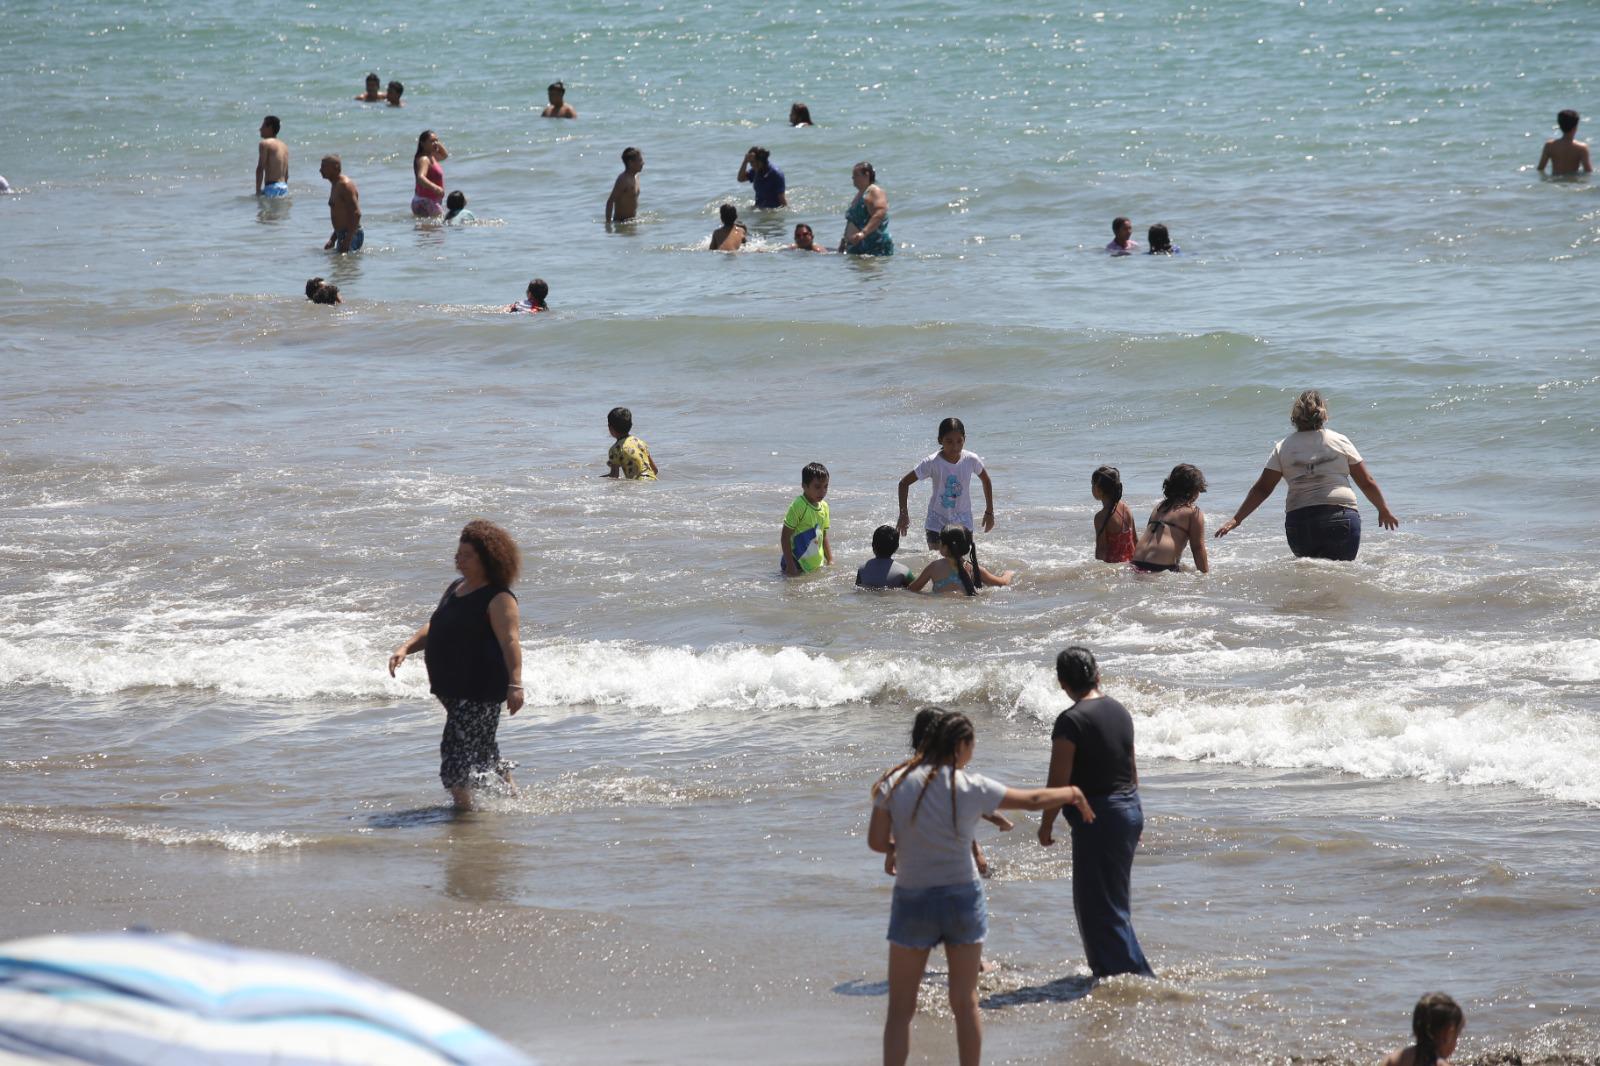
(1324, 531)
(1102, 874)
(949, 914)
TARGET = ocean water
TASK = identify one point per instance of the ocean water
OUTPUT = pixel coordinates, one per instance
(221, 506)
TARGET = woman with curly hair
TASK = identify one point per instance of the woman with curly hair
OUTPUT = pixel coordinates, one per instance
(1176, 523)
(474, 658)
(1322, 520)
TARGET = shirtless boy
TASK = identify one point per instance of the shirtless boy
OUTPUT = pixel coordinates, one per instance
(272, 161)
(623, 203)
(558, 108)
(392, 94)
(374, 91)
(344, 207)
(1566, 154)
(728, 237)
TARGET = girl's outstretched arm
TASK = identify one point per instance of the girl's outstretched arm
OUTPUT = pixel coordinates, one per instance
(1040, 799)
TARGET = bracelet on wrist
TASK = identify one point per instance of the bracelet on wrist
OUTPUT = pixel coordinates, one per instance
(517, 687)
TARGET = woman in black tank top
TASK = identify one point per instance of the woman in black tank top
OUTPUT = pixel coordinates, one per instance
(474, 658)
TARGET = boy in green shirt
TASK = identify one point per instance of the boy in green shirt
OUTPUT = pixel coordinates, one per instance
(805, 527)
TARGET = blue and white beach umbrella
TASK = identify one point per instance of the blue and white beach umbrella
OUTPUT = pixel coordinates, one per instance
(142, 999)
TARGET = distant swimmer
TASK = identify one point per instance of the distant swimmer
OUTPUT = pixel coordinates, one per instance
(1161, 241)
(393, 94)
(427, 167)
(374, 92)
(866, 221)
(456, 208)
(623, 203)
(1122, 242)
(344, 207)
(559, 108)
(805, 240)
(320, 292)
(1566, 154)
(728, 237)
(272, 161)
(799, 114)
(534, 301)
(764, 178)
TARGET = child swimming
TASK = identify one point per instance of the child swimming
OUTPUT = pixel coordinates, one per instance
(951, 469)
(534, 301)
(1436, 1022)
(1175, 523)
(1113, 525)
(957, 569)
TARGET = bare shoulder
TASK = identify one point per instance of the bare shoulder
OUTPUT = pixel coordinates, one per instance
(1404, 1057)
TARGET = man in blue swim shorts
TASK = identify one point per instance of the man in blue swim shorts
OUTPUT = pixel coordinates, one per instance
(272, 160)
(344, 207)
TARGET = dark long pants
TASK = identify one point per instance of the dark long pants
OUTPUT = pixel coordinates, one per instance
(1102, 865)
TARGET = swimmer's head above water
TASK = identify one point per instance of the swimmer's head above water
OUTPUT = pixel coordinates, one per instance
(537, 291)
(1568, 121)
(394, 93)
(1160, 240)
(729, 214)
(799, 114)
(803, 237)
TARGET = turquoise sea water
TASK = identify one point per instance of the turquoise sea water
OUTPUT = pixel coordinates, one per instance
(223, 505)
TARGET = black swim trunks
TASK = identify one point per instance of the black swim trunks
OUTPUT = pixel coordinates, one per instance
(468, 751)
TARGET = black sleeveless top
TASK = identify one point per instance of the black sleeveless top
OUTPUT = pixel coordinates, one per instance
(463, 657)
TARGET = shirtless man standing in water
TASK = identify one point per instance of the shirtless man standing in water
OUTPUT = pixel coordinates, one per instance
(1566, 154)
(344, 207)
(623, 203)
(272, 161)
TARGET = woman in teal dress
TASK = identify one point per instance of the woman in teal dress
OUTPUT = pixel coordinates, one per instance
(866, 223)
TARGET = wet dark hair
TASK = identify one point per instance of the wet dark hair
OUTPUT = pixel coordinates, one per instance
(811, 472)
(924, 722)
(312, 285)
(630, 153)
(619, 418)
(960, 543)
(396, 88)
(373, 77)
(799, 113)
(1160, 240)
(423, 140)
(762, 155)
(1118, 222)
(556, 87)
(1108, 479)
(885, 541)
(537, 291)
(1184, 485)
(1076, 669)
(456, 201)
(1433, 1014)
(272, 120)
(729, 214)
(325, 294)
(949, 424)
(496, 550)
(1567, 120)
(798, 226)
(872, 175)
(946, 732)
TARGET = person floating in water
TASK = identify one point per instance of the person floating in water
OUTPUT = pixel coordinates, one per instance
(272, 161)
(344, 207)
(1161, 241)
(1122, 242)
(374, 92)
(320, 292)
(805, 240)
(456, 208)
(766, 179)
(559, 108)
(393, 94)
(534, 301)
(623, 203)
(730, 236)
(1566, 155)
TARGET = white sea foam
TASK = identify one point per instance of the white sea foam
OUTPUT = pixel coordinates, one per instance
(30, 818)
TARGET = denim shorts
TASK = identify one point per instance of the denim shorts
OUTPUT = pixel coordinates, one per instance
(950, 914)
(1324, 531)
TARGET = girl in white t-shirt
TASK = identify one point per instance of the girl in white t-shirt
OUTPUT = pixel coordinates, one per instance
(926, 810)
(950, 501)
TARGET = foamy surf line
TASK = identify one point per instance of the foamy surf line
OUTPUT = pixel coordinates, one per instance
(1400, 727)
(33, 819)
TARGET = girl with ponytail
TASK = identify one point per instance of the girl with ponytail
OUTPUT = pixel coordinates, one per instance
(957, 567)
(925, 811)
(1436, 1023)
(1113, 526)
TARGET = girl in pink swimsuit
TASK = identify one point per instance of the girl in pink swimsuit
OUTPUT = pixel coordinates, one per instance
(428, 200)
